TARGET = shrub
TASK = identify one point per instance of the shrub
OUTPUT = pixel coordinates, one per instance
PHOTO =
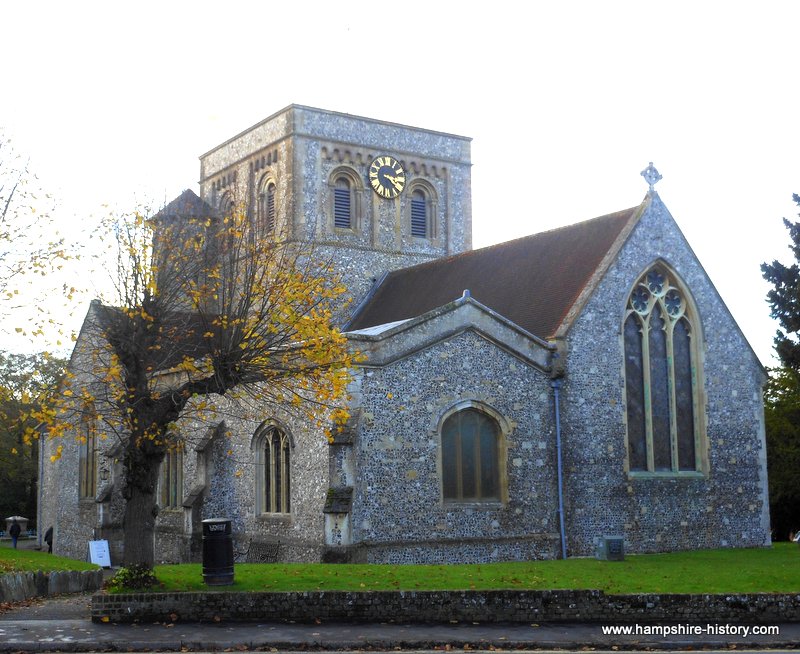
(135, 577)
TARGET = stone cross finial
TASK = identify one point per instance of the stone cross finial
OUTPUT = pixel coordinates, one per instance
(651, 175)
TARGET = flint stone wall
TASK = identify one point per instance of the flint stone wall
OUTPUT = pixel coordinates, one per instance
(398, 513)
(447, 606)
(727, 505)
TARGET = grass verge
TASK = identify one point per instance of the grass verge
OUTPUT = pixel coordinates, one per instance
(25, 560)
(767, 570)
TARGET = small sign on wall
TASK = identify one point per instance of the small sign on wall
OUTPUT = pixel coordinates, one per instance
(99, 554)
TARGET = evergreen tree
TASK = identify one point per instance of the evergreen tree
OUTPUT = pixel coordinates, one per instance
(782, 393)
(784, 298)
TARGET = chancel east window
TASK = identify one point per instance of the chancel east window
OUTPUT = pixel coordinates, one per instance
(661, 377)
(273, 470)
(471, 457)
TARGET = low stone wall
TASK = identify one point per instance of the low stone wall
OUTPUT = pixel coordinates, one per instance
(444, 606)
(19, 586)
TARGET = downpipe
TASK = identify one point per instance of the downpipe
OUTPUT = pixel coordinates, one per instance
(556, 386)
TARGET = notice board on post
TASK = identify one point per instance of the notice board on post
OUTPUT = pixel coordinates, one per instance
(99, 554)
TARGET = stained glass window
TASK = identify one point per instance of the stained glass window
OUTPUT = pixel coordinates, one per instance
(87, 470)
(470, 465)
(660, 383)
(171, 480)
(272, 481)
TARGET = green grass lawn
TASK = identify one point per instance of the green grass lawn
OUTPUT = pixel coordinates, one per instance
(773, 570)
(26, 560)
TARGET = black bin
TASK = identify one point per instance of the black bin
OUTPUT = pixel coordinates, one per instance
(217, 552)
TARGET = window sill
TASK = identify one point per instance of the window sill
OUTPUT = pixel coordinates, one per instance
(487, 505)
(274, 517)
(641, 474)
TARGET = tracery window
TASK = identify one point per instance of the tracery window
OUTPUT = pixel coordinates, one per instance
(661, 384)
(170, 481)
(471, 457)
(273, 489)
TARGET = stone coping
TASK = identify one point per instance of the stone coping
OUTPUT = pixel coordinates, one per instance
(510, 606)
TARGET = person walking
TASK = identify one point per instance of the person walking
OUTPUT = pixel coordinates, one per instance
(14, 531)
(48, 538)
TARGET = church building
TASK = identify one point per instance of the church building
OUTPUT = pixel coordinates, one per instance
(521, 401)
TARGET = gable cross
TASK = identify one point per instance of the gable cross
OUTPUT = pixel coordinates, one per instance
(651, 175)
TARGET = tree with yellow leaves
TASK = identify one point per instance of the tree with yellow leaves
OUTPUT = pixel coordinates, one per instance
(206, 307)
(28, 383)
(30, 247)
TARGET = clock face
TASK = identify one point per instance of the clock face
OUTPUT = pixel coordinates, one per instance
(387, 176)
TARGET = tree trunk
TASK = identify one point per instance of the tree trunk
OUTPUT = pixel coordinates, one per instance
(141, 509)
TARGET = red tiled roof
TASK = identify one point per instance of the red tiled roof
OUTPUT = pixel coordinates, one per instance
(533, 281)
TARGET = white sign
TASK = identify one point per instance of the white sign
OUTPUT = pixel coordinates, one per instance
(99, 554)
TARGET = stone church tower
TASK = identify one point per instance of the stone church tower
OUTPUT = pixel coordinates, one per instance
(370, 196)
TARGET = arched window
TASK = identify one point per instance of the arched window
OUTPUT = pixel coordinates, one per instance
(661, 384)
(421, 209)
(345, 189)
(170, 481)
(266, 206)
(226, 205)
(87, 470)
(273, 489)
(471, 457)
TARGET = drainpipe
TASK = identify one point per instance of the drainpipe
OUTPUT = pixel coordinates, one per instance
(556, 385)
(39, 482)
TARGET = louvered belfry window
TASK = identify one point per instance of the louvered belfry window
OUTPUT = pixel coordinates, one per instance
(270, 217)
(342, 204)
(419, 215)
(661, 377)
(266, 207)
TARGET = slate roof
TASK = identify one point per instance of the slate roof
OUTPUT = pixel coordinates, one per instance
(533, 281)
(187, 205)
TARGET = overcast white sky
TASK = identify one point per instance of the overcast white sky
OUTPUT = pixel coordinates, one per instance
(566, 103)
